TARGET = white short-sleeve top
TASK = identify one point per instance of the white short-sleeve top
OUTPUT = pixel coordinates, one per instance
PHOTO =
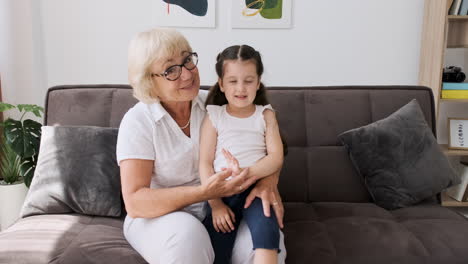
(148, 132)
(243, 137)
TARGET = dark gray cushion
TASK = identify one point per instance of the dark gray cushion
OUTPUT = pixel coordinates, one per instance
(399, 158)
(76, 172)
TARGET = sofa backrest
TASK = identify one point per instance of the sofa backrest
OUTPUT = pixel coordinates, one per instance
(317, 167)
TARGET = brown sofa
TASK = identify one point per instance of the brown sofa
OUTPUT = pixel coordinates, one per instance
(329, 218)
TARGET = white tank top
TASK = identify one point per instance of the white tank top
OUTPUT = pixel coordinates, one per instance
(243, 137)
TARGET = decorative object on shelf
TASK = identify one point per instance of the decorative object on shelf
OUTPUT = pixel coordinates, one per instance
(451, 90)
(458, 133)
(459, 192)
(185, 13)
(453, 74)
(463, 8)
(454, 86)
(23, 137)
(455, 8)
(454, 94)
(261, 14)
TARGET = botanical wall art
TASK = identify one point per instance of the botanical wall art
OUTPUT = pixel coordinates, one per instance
(185, 13)
(261, 13)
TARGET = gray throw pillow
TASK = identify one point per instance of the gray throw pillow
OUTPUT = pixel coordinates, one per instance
(76, 172)
(399, 158)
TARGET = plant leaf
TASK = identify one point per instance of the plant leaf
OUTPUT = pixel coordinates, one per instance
(24, 138)
(10, 164)
(4, 107)
(28, 166)
(31, 108)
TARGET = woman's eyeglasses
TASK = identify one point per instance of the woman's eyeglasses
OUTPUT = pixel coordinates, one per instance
(173, 73)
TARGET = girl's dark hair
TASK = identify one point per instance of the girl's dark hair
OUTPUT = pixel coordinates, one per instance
(243, 53)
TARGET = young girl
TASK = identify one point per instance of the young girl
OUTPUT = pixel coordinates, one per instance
(240, 131)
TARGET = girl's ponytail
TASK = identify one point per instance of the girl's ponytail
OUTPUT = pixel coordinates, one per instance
(216, 96)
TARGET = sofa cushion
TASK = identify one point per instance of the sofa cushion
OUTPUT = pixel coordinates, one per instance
(399, 158)
(355, 233)
(71, 238)
(76, 172)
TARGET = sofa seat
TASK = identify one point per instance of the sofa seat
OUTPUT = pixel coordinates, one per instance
(66, 238)
(328, 232)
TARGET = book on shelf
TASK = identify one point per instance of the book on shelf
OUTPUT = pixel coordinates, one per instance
(455, 8)
(463, 8)
(454, 86)
(454, 94)
(459, 192)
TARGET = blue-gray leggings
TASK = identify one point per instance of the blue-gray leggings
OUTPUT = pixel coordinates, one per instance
(264, 230)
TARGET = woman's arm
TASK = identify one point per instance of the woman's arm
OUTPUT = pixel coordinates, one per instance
(143, 202)
(273, 161)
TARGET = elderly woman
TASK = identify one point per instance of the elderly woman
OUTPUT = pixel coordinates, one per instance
(157, 151)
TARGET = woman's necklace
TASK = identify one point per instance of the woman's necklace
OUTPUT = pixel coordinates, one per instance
(184, 127)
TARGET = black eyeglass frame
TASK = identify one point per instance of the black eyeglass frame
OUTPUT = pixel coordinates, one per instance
(165, 73)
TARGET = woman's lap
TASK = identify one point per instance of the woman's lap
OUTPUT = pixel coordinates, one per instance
(177, 237)
(180, 237)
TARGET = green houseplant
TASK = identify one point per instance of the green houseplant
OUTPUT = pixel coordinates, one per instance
(10, 163)
(20, 140)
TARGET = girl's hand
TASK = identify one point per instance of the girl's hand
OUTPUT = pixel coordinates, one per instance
(232, 162)
(216, 185)
(267, 190)
(223, 218)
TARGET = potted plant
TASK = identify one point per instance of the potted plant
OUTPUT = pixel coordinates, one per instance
(23, 137)
(19, 150)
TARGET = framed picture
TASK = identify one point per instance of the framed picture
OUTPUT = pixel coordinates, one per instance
(458, 133)
(261, 13)
(185, 13)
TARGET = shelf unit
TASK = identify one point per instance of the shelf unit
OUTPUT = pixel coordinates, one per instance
(454, 100)
(450, 202)
(457, 34)
(453, 152)
(440, 32)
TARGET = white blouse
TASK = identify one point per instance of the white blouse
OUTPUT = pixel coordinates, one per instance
(148, 132)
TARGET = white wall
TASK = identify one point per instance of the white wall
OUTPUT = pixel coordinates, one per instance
(21, 53)
(342, 42)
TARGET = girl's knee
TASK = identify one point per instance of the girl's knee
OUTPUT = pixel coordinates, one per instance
(264, 230)
(254, 215)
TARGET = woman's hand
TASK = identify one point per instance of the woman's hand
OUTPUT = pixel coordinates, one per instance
(216, 185)
(223, 217)
(266, 189)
